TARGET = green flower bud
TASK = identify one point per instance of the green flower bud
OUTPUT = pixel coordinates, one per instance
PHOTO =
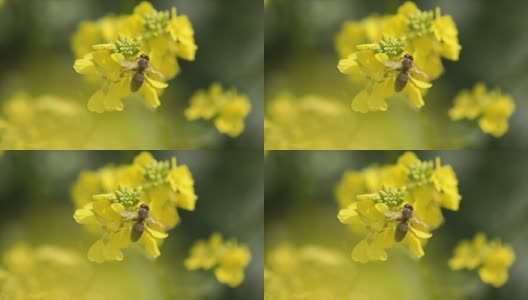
(127, 196)
(420, 23)
(156, 173)
(392, 47)
(391, 196)
(127, 46)
(156, 23)
(420, 173)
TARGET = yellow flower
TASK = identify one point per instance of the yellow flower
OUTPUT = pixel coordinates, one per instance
(110, 62)
(491, 107)
(373, 212)
(229, 259)
(492, 258)
(119, 193)
(372, 61)
(229, 109)
(43, 272)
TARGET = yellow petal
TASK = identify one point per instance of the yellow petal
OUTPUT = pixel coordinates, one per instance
(156, 234)
(348, 65)
(85, 67)
(117, 207)
(360, 103)
(151, 245)
(150, 95)
(347, 215)
(419, 83)
(414, 245)
(96, 252)
(156, 84)
(366, 46)
(85, 216)
(360, 252)
(420, 234)
(96, 103)
(414, 95)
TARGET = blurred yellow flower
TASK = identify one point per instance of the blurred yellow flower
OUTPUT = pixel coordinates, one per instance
(146, 192)
(228, 258)
(493, 109)
(46, 272)
(229, 108)
(493, 259)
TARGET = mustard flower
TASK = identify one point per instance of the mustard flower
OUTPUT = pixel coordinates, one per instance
(382, 65)
(228, 108)
(120, 194)
(430, 35)
(228, 258)
(492, 108)
(111, 63)
(430, 185)
(493, 259)
(380, 214)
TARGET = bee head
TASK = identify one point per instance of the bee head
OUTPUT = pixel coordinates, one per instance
(144, 206)
(144, 56)
(408, 206)
(408, 56)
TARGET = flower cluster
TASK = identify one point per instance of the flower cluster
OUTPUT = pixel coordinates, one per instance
(492, 108)
(44, 272)
(493, 259)
(33, 123)
(228, 258)
(228, 108)
(109, 200)
(372, 202)
(373, 52)
(109, 51)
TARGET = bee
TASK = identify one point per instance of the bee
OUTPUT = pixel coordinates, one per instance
(140, 67)
(404, 217)
(404, 67)
(140, 218)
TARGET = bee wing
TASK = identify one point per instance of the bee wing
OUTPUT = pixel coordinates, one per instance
(394, 65)
(152, 220)
(130, 65)
(129, 215)
(396, 215)
(418, 221)
(419, 72)
(153, 71)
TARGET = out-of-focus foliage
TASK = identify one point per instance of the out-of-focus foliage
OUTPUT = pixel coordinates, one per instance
(109, 200)
(300, 213)
(491, 107)
(228, 258)
(37, 187)
(45, 32)
(301, 58)
(229, 108)
(493, 258)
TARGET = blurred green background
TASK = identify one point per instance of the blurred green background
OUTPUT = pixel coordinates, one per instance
(37, 58)
(300, 58)
(301, 208)
(38, 209)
